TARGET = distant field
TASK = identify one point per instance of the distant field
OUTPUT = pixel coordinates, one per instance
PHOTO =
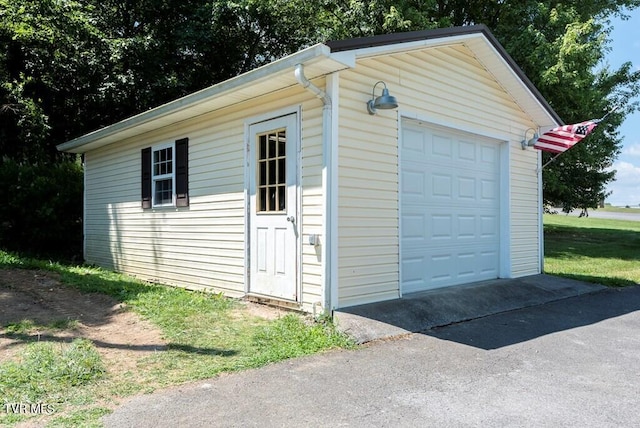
(620, 209)
(591, 249)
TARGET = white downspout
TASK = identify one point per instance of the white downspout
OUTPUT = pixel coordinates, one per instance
(302, 79)
(326, 180)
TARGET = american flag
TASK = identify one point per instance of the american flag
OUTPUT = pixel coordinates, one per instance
(562, 138)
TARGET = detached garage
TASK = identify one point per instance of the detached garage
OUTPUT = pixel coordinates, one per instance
(350, 172)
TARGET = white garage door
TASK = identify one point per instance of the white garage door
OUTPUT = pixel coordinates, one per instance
(449, 207)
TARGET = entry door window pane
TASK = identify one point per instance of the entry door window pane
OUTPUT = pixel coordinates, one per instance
(271, 171)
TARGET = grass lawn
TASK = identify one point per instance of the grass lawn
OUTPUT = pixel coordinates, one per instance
(590, 249)
(206, 334)
(611, 209)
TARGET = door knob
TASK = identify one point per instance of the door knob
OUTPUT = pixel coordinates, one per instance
(292, 219)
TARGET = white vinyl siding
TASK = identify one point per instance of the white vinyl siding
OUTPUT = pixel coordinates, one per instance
(525, 230)
(367, 196)
(312, 205)
(444, 86)
(202, 246)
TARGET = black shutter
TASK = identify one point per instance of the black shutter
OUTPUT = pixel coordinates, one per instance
(182, 172)
(146, 177)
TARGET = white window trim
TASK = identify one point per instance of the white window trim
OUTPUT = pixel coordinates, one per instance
(155, 178)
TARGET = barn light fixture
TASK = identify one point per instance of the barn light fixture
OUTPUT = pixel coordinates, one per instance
(384, 101)
(529, 143)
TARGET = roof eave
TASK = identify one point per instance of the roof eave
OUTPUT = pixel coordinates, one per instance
(107, 135)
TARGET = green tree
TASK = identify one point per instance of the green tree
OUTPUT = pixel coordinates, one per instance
(562, 49)
(164, 49)
(561, 46)
(52, 63)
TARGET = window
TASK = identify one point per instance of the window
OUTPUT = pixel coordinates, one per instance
(162, 176)
(165, 175)
(272, 171)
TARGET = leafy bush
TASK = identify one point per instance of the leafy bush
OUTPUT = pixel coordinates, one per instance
(41, 209)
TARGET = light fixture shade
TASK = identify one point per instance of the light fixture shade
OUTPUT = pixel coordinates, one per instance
(531, 142)
(384, 101)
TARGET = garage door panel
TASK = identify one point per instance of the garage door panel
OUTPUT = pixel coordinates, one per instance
(413, 182)
(467, 188)
(440, 147)
(440, 227)
(414, 144)
(446, 269)
(489, 155)
(414, 270)
(414, 227)
(417, 225)
(467, 152)
(488, 227)
(489, 190)
(441, 186)
(467, 226)
(449, 213)
(488, 268)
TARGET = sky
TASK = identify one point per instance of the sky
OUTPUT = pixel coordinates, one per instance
(625, 44)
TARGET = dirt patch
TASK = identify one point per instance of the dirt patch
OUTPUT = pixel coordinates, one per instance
(261, 310)
(121, 336)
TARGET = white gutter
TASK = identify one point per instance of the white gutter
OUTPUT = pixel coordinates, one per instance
(196, 99)
(328, 208)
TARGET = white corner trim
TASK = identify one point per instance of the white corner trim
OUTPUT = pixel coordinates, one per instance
(505, 266)
(332, 189)
(247, 206)
(401, 121)
(540, 214)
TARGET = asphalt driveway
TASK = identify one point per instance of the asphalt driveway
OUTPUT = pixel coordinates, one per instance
(572, 362)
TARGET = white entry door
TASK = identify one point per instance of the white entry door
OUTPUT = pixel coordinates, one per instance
(449, 207)
(273, 215)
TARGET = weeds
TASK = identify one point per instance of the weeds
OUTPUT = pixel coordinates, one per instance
(48, 369)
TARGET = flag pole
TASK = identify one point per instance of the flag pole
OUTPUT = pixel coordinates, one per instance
(616, 107)
(550, 161)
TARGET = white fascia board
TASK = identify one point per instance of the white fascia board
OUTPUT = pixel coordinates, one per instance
(410, 46)
(110, 133)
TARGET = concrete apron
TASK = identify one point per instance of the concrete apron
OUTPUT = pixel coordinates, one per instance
(419, 312)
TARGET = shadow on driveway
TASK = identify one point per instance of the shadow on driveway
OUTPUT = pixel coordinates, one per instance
(425, 312)
(506, 329)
